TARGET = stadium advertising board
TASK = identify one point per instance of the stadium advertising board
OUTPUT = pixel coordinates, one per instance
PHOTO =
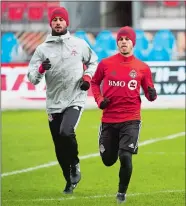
(169, 77)
(18, 93)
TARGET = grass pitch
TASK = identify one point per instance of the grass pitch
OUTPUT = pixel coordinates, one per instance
(158, 170)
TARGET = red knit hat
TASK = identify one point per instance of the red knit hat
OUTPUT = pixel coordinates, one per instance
(129, 32)
(60, 11)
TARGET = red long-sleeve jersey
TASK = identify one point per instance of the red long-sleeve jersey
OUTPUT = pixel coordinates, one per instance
(119, 79)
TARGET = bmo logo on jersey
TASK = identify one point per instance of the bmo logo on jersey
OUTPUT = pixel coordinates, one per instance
(116, 83)
(132, 85)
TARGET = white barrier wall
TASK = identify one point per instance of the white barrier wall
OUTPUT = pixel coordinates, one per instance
(18, 93)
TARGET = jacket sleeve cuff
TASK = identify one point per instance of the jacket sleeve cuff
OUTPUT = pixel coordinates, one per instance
(100, 99)
(41, 70)
(87, 78)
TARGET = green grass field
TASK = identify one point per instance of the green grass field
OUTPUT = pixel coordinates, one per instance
(158, 175)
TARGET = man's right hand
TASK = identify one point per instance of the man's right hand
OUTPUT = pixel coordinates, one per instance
(104, 103)
(46, 65)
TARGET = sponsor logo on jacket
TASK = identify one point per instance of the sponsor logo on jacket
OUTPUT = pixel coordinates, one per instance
(132, 84)
(133, 73)
(116, 83)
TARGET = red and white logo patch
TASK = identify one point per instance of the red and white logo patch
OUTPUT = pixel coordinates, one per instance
(73, 52)
(132, 85)
(133, 74)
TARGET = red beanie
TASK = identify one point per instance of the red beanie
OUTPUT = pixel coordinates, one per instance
(62, 12)
(129, 32)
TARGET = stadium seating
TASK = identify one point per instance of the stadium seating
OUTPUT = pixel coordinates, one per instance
(83, 35)
(158, 53)
(8, 43)
(50, 6)
(171, 3)
(4, 6)
(161, 48)
(35, 11)
(141, 40)
(100, 52)
(165, 38)
(106, 40)
(164, 3)
(17, 11)
(141, 54)
(104, 43)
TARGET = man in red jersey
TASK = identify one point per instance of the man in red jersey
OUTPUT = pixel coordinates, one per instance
(121, 77)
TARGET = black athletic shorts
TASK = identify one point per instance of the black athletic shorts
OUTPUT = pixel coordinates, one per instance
(116, 136)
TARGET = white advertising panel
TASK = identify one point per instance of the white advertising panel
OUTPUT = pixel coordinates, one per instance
(18, 93)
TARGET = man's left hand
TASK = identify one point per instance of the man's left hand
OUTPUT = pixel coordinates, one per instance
(152, 93)
(84, 85)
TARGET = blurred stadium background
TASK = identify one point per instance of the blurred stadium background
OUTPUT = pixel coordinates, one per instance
(159, 168)
(159, 26)
(161, 41)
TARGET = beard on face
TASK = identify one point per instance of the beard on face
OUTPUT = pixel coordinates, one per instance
(56, 33)
(125, 53)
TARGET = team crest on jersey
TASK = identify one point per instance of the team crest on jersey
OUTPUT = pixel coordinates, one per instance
(133, 74)
(132, 84)
(73, 52)
(50, 118)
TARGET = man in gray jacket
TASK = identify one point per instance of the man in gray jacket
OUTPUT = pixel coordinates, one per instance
(61, 60)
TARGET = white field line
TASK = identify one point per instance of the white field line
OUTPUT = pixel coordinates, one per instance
(146, 142)
(162, 153)
(92, 197)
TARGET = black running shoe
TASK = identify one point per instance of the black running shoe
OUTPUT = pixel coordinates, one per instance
(68, 188)
(75, 174)
(120, 197)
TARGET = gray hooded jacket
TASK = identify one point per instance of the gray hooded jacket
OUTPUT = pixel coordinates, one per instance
(67, 54)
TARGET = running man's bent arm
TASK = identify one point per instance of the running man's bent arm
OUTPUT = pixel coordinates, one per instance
(96, 82)
(90, 61)
(148, 85)
(34, 76)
